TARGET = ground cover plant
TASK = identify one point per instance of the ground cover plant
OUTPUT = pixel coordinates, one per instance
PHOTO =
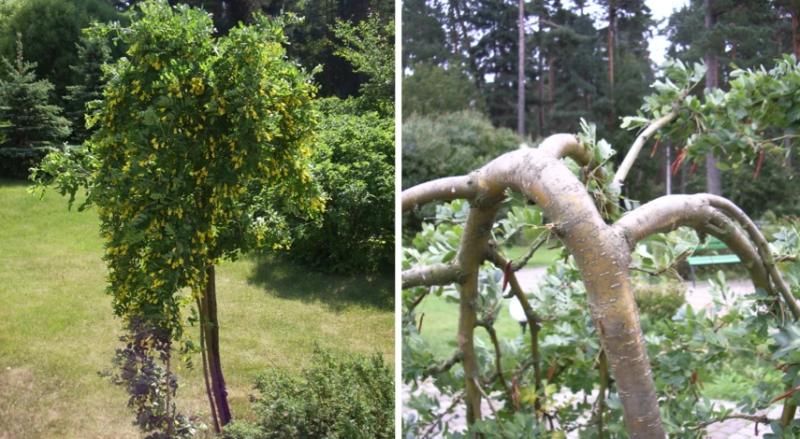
(640, 373)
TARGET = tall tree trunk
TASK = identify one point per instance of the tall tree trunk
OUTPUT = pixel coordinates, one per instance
(795, 11)
(521, 70)
(451, 12)
(210, 329)
(713, 176)
(540, 70)
(612, 36)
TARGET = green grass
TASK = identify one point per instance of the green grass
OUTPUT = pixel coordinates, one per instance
(440, 323)
(543, 257)
(57, 329)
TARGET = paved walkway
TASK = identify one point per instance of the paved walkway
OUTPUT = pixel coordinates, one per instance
(696, 295)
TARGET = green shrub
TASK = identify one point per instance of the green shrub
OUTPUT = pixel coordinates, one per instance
(451, 144)
(660, 301)
(354, 164)
(337, 396)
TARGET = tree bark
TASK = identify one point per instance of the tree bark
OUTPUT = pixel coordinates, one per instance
(211, 332)
(713, 176)
(521, 70)
(612, 36)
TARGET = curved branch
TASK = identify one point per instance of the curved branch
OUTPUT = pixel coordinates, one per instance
(565, 145)
(670, 212)
(760, 241)
(442, 189)
(431, 275)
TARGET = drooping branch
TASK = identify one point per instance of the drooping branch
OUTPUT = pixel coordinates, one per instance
(763, 249)
(442, 189)
(533, 319)
(713, 215)
(633, 153)
(759, 419)
(431, 275)
(488, 326)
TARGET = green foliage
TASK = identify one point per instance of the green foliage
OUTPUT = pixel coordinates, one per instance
(31, 119)
(93, 52)
(354, 165)
(369, 47)
(50, 30)
(450, 144)
(432, 90)
(336, 396)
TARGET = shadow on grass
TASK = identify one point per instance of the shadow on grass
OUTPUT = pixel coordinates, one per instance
(292, 281)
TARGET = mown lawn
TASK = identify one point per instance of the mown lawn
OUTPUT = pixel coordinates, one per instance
(440, 323)
(58, 333)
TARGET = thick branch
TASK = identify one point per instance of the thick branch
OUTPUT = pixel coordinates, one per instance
(431, 275)
(565, 145)
(442, 189)
(760, 241)
(670, 212)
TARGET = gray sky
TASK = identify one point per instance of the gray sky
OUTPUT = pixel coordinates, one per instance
(661, 9)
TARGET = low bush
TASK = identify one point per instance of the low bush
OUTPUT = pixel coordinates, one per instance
(336, 397)
(354, 165)
(661, 300)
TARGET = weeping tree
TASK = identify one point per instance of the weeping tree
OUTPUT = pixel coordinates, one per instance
(578, 203)
(200, 151)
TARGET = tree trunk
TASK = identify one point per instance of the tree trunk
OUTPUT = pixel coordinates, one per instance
(521, 70)
(795, 11)
(612, 36)
(210, 329)
(540, 71)
(713, 176)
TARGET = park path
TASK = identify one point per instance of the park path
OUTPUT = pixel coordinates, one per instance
(697, 295)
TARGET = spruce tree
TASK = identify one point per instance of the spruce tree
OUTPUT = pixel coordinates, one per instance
(93, 52)
(24, 104)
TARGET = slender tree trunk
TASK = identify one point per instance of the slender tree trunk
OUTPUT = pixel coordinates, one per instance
(540, 67)
(451, 12)
(521, 70)
(795, 11)
(612, 36)
(713, 176)
(211, 335)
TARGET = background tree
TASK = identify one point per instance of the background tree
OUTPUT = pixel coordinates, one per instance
(24, 103)
(93, 53)
(50, 30)
(200, 153)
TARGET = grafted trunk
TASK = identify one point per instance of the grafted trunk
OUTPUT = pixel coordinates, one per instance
(210, 328)
(602, 253)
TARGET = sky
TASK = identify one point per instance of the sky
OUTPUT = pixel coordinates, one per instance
(661, 9)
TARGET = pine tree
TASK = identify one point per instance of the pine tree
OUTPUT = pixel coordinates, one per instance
(24, 104)
(93, 52)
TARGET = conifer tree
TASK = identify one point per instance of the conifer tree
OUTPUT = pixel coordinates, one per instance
(24, 104)
(93, 52)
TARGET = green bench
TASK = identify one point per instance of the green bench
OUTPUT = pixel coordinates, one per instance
(711, 245)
